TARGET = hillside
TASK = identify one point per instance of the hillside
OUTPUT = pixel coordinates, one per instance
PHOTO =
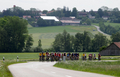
(47, 34)
(116, 25)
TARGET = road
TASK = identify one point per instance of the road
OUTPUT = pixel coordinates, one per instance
(98, 29)
(46, 69)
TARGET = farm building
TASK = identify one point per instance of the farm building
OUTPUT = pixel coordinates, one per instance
(69, 21)
(112, 50)
(49, 18)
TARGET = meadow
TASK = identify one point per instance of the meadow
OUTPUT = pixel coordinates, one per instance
(11, 58)
(115, 25)
(47, 34)
(102, 67)
(35, 56)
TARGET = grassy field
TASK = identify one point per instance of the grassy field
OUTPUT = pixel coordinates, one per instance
(101, 67)
(35, 56)
(116, 25)
(22, 56)
(11, 58)
(47, 34)
(4, 71)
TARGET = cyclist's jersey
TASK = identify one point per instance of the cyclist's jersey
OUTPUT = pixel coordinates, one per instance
(83, 55)
(59, 55)
(43, 54)
(67, 55)
(40, 54)
(55, 54)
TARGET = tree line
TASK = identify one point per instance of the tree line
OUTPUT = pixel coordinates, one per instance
(108, 29)
(14, 37)
(13, 34)
(113, 14)
(41, 22)
(81, 42)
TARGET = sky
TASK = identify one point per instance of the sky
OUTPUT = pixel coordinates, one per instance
(50, 4)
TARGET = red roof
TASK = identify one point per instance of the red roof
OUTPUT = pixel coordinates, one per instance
(117, 44)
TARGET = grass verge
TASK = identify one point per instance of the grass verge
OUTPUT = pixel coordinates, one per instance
(4, 71)
(101, 67)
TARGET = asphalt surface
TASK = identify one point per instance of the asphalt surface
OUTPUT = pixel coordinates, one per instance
(46, 69)
(98, 29)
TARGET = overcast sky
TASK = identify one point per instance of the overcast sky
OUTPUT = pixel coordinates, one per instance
(50, 4)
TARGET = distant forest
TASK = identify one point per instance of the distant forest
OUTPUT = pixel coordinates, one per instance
(113, 14)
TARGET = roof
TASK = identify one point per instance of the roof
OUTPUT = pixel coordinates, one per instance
(117, 44)
(50, 11)
(69, 21)
(24, 16)
(49, 18)
(69, 18)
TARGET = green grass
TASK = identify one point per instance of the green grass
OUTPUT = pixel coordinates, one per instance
(10, 58)
(96, 24)
(47, 34)
(101, 67)
(4, 71)
(115, 25)
(35, 56)
(29, 26)
(59, 29)
(22, 56)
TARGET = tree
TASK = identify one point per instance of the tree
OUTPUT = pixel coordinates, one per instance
(78, 42)
(88, 21)
(74, 12)
(13, 33)
(116, 9)
(41, 22)
(102, 48)
(92, 13)
(63, 42)
(39, 43)
(104, 8)
(39, 47)
(82, 42)
(33, 9)
(66, 41)
(29, 43)
(57, 44)
(72, 40)
(116, 37)
(100, 12)
(99, 41)
(44, 11)
(86, 41)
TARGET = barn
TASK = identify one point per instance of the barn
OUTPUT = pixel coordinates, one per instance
(112, 50)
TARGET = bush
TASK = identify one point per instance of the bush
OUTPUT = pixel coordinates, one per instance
(102, 48)
(38, 49)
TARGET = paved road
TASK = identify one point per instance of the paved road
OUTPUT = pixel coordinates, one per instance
(98, 29)
(46, 69)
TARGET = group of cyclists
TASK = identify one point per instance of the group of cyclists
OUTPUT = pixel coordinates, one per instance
(57, 56)
(91, 57)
